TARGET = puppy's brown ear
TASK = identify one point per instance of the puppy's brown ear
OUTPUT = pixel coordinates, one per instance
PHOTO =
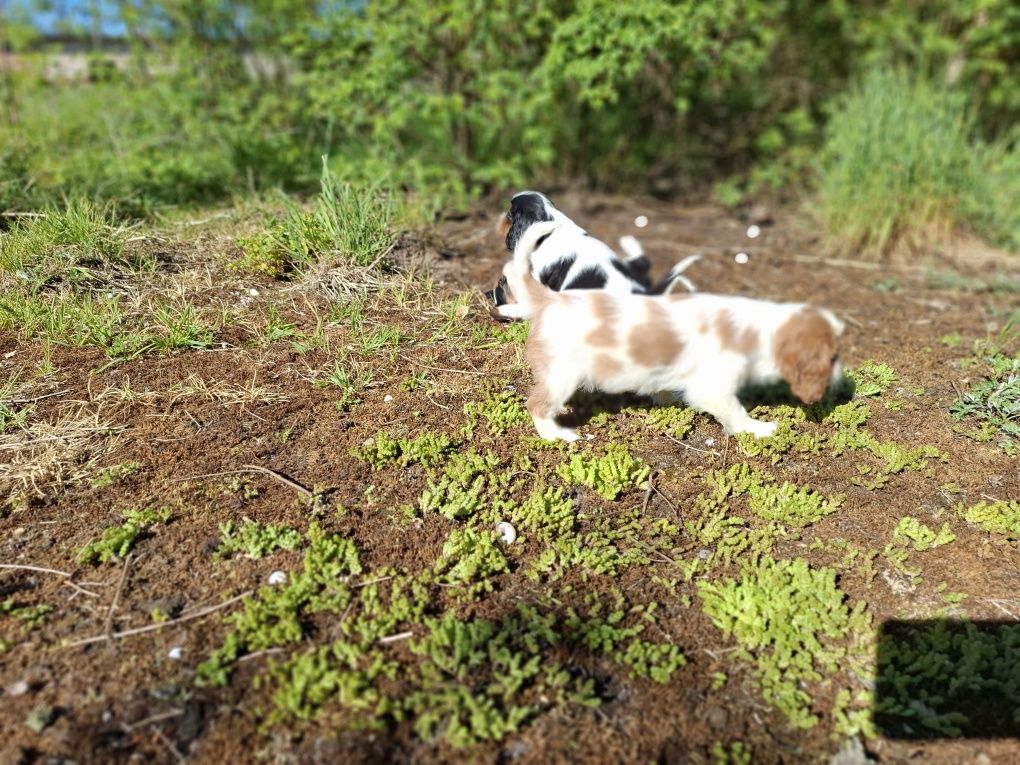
(805, 348)
(504, 225)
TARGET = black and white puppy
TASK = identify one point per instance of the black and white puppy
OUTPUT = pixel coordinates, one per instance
(569, 258)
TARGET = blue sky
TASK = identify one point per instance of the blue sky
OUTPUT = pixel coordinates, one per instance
(73, 12)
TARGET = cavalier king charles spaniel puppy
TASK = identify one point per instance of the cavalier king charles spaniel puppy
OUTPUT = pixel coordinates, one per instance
(568, 258)
(701, 346)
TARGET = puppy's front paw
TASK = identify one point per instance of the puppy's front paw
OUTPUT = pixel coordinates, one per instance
(761, 429)
(550, 431)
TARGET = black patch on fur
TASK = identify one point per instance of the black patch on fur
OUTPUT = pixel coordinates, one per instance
(662, 285)
(635, 269)
(555, 273)
(498, 293)
(525, 210)
(591, 278)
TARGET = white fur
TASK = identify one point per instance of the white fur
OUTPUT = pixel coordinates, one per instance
(706, 373)
(566, 237)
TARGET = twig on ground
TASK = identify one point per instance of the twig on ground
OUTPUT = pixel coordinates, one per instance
(373, 581)
(260, 654)
(443, 369)
(169, 745)
(651, 489)
(131, 727)
(66, 576)
(395, 638)
(160, 625)
(256, 469)
(108, 629)
(692, 448)
(20, 401)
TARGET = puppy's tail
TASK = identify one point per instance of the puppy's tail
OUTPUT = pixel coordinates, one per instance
(676, 276)
(528, 290)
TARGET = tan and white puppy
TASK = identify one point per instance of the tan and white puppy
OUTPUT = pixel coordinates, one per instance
(703, 347)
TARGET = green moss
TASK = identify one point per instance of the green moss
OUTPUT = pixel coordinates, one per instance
(30, 617)
(277, 616)
(470, 482)
(677, 421)
(998, 517)
(872, 378)
(920, 536)
(113, 474)
(255, 540)
(790, 504)
(546, 513)
(427, 449)
(947, 678)
(615, 629)
(502, 411)
(513, 333)
(469, 560)
(608, 474)
(785, 440)
(608, 547)
(734, 754)
(480, 680)
(789, 619)
(117, 541)
(849, 416)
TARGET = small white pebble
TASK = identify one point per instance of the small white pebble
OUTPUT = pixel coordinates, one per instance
(387, 398)
(709, 442)
(752, 232)
(641, 221)
(506, 532)
(704, 553)
(19, 688)
(175, 653)
(741, 258)
(589, 436)
(253, 292)
(277, 577)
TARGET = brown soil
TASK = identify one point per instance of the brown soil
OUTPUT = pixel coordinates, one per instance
(126, 701)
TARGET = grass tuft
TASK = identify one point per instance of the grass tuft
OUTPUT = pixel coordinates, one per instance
(900, 169)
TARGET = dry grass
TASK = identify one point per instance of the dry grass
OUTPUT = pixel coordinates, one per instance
(49, 456)
(232, 394)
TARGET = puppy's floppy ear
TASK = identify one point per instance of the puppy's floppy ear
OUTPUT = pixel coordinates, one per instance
(805, 348)
(503, 226)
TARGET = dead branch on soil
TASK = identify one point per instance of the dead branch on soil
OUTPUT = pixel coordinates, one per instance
(67, 576)
(160, 625)
(311, 496)
(23, 401)
(116, 599)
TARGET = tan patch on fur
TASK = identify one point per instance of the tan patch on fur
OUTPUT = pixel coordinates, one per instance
(702, 327)
(654, 343)
(504, 225)
(605, 367)
(743, 341)
(604, 334)
(679, 296)
(805, 348)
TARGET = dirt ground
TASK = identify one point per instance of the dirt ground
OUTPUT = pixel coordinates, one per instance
(189, 418)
